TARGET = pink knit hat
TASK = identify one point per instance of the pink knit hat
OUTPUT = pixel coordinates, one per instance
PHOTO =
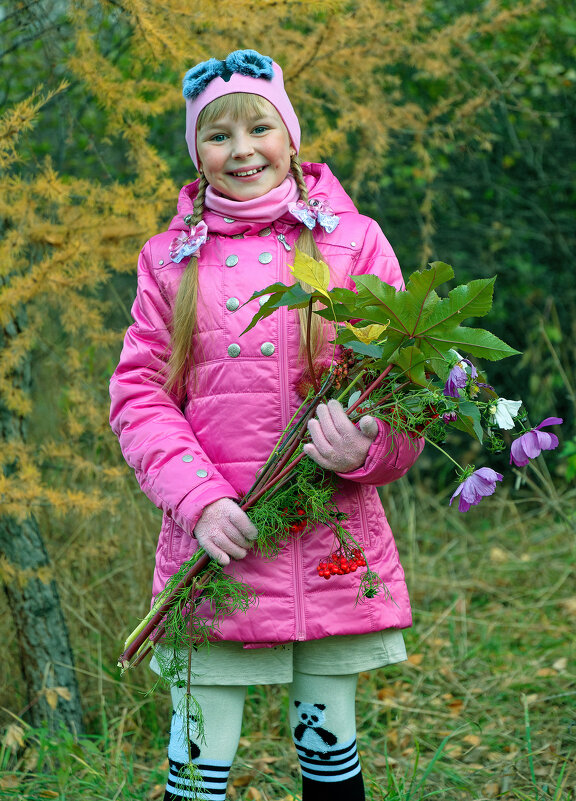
(244, 71)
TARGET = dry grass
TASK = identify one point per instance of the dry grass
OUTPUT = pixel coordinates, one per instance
(483, 709)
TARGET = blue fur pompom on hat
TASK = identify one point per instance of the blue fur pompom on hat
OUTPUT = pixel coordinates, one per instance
(243, 62)
(251, 63)
(198, 78)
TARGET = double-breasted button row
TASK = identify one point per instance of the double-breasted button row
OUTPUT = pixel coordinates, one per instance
(266, 349)
(232, 260)
(232, 304)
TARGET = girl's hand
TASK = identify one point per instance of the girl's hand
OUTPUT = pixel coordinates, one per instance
(337, 444)
(225, 531)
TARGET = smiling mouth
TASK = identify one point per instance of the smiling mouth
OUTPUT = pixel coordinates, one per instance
(246, 173)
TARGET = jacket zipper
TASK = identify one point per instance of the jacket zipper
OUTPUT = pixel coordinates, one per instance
(363, 517)
(285, 406)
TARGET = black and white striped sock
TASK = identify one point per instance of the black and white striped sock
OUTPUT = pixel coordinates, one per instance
(338, 765)
(209, 783)
(322, 718)
(205, 741)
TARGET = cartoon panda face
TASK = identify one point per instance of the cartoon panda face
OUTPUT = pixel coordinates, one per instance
(311, 714)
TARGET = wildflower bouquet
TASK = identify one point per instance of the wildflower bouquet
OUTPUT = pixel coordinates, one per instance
(397, 357)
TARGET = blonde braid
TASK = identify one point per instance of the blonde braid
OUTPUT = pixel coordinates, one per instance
(180, 361)
(199, 200)
(296, 169)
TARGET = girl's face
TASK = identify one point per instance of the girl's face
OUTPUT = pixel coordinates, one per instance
(245, 157)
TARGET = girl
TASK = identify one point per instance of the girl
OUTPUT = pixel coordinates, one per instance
(198, 409)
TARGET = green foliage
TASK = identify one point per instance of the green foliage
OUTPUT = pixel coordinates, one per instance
(421, 328)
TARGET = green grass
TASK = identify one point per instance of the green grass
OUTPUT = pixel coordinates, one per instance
(484, 709)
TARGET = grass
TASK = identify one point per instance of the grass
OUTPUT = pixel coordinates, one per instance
(484, 708)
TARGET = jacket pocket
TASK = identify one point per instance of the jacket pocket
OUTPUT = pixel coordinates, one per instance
(180, 546)
(352, 502)
(365, 531)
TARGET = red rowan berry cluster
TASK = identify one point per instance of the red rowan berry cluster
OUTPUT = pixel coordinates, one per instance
(338, 564)
(298, 526)
(345, 360)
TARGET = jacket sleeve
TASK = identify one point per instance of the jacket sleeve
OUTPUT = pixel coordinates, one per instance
(155, 436)
(392, 453)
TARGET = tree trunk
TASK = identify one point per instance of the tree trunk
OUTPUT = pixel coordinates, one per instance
(45, 654)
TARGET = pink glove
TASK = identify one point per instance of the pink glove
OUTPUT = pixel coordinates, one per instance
(225, 531)
(337, 444)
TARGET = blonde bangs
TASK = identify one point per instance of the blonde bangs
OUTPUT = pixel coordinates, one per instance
(238, 105)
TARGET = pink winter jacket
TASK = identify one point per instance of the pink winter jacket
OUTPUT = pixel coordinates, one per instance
(239, 403)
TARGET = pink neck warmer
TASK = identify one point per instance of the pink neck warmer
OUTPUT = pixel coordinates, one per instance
(266, 209)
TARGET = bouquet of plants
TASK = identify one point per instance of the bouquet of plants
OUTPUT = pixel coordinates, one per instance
(398, 357)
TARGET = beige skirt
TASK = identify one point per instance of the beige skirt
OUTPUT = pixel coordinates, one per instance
(229, 663)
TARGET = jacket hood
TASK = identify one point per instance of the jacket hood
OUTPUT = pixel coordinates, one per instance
(321, 182)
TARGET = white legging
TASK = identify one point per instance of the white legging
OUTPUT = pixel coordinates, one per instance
(322, 721)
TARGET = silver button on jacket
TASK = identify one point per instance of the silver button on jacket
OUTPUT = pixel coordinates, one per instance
(234, 350)
(267, 348)
(232, 304)
(231, 261)
(201, 473)
(265, 258)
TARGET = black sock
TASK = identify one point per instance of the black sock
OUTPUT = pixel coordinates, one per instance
(348, 790)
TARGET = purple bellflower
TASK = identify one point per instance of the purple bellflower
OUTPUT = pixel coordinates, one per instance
(532, 443)
(482, 482)
(458, 378)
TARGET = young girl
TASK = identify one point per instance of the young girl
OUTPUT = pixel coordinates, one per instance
(198, 409)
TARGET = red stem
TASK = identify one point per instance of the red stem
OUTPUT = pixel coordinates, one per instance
(279, 475)
(374, 385)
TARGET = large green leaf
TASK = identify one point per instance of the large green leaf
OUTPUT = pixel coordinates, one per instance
(416, 317)
(468, 300)
(477, 342)
(412, 362)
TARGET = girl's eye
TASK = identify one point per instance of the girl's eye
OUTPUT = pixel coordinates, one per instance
(260, 129)
(218, 137)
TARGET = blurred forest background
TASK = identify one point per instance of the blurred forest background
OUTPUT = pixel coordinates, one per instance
(451, 122)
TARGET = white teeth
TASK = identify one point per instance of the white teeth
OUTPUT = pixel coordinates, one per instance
(248, 172)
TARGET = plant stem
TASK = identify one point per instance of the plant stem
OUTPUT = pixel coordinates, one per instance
(348, 388)
(447, 455)
(308, 349)
(374, 385)
(158, 617)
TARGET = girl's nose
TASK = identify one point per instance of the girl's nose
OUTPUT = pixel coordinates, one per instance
(242, 147)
